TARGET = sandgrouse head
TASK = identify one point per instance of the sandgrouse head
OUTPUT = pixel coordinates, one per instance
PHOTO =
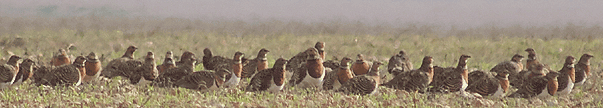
(517, 58)
(320, 46)
(530, 51)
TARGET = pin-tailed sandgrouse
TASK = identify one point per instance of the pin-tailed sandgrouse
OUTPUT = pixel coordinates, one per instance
(363, 84)
(9, 71)
(334, 79)
(399, 63)
(271, 80)
(512, 67)
(311, 73)
(583, 69)
(257, 64)
(414, 80)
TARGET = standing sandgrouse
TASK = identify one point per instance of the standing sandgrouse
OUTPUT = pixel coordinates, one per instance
(168, 62)
(257, 64)
(25, 71)
(146, 73)
(583, 69)
(334, 79)
(300, 58)
(567, 76)
(93, 67)
(66, 74)
(540, 86)
(487, 85)
(401, 62)
(234, 67)
(363, 84)
(121, 66)
(61, 58)
(311, 73)
(451, 79)
(414, 80)
(9, 71)
(360, 66)
(170, 76)
(271, 80)
(512, 67)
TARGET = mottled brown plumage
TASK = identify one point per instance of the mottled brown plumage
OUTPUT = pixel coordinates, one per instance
(567, 76)
(334, 79)
(360, 66)
(25, 71)
(168, 62)
(414, 80)
(169, 77)
(68, 75)
(122, 66)
(583, 69)
(93, 67)
(363, 84)
(61, 58)
(8, 71)
(272, 79)
(486, 84)
(201, 80)
(399, 63)
(541, 86)
(234, 66)
(512, 67)
(147, 72)
(451, 79)
(311, 73)
(186, 55)
(257, 64)
(300, 58)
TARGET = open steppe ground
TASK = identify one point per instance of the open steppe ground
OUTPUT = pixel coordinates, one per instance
(117, 92)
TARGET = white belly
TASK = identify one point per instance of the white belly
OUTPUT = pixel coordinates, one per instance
(213, 87)
(464, 85)
(18, 82)
(544, 93)
(233, 81)
(274, 88)
(5, 85)
(499, 92)
(143, 82)
(336, 85)
(568, 89)
(309, 81)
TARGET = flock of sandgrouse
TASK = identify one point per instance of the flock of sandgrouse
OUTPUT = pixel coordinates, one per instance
(307, 69)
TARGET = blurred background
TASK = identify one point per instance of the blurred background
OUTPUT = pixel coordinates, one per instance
(476, 18)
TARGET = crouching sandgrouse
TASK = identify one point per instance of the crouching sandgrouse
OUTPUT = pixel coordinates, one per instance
(272, 79)
(311, 73)
(540, 86)
(414, 80)
(486, 84)
(334, 79)
(9, 71)
(363, 84)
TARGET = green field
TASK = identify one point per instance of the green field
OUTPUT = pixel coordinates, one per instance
(485, 51)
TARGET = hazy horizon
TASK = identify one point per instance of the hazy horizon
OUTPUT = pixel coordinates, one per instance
(463, 13)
